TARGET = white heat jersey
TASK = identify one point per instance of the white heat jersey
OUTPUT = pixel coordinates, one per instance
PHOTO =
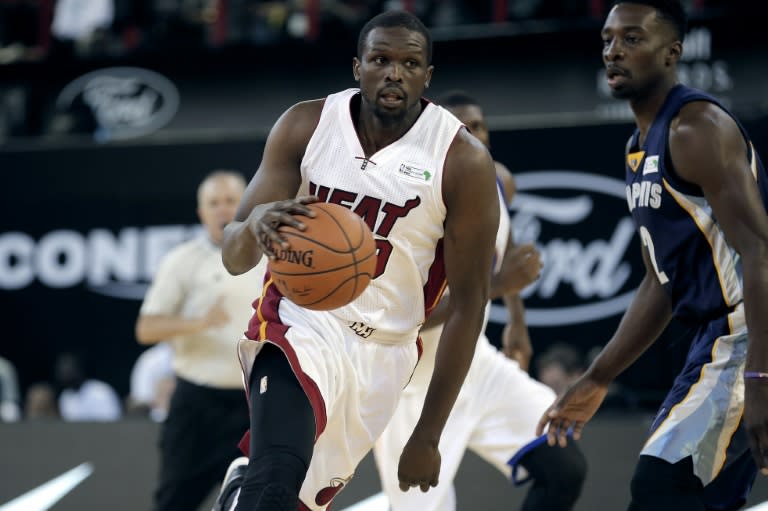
(398, 192)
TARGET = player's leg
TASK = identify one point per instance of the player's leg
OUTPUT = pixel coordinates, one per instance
(511, 403)
(198, 439)
(696, 439)
(282, 435)
(659, 485)
(557, 475)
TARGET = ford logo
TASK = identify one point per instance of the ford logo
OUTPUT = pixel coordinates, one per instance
(127, 102)
(588, 263)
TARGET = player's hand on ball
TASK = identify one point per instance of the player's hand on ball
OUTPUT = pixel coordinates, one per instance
(572, 410)
(265, 221)
(419, 465)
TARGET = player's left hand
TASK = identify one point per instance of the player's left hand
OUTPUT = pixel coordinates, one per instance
(419, 465)
(756, 420)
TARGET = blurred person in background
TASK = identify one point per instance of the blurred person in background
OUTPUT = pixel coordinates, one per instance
(152, 383)
(201, 311)
(80, 27)
(10, 410)
(698, 194)
(82, 398)
(40, 402)
(559, 366)
(497, 408)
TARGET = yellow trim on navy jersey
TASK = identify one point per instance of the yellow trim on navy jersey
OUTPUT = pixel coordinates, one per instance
(634, 159)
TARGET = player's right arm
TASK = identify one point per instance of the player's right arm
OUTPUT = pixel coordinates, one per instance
(642, 323)
(270, 198)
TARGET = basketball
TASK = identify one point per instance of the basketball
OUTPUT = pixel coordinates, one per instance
(327, 265)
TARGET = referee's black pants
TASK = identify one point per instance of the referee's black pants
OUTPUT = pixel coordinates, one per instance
(198, 440)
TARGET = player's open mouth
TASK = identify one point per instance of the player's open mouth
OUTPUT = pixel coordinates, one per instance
(615, 75)
(391, 98)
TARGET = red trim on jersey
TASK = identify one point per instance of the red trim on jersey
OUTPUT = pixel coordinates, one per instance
(436, 281)
(303, 507)
(266, 326)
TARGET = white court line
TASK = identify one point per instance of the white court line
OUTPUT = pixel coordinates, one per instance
(378, 502)
(47, 494)
(759, 507)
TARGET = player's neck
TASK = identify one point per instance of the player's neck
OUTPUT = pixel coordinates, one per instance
(647, 106)
(376, 132)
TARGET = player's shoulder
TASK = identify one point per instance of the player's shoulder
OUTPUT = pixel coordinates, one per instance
(700, 124)
(468, 156)
(466, 149)
(305, 111)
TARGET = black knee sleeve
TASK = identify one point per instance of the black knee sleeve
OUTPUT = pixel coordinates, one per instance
(282, 435)
(280, 470)
(558, 475)
(658, 485)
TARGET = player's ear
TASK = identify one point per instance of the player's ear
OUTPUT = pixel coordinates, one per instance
(356, 68)
(674, 53)
(430, 69)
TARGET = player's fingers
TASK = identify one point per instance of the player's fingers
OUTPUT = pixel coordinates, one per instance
(577, 428)
(562, 432)
(545, 419)
(404, 486)
(424, 487)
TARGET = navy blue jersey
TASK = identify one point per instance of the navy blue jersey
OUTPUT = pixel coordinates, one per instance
(687, 246)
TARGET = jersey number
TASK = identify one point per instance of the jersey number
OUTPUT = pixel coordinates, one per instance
(383, 251)
(648, 242)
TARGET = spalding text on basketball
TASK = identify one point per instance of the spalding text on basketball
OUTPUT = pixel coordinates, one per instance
(302, 257)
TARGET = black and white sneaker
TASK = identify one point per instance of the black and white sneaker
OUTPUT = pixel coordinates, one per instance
(233, 479)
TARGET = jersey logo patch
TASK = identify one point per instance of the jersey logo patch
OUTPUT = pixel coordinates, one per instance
(634, 159)
(414, 172)
(651, 165)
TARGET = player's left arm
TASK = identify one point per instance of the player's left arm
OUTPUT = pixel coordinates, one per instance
(469, 192)
(708, 149)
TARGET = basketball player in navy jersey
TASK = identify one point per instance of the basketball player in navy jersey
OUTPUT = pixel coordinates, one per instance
(321, 388)
(697, 193)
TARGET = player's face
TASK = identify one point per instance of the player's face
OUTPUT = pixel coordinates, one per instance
(393, 71)
(637, 50)
(472, 117)
(217, 203)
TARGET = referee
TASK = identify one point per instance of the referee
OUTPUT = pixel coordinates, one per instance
(202, 311)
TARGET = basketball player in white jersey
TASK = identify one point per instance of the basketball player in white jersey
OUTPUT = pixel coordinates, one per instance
(499, 404)
(323, 385)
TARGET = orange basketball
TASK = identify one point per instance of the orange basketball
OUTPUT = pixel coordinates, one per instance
(327, 265)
